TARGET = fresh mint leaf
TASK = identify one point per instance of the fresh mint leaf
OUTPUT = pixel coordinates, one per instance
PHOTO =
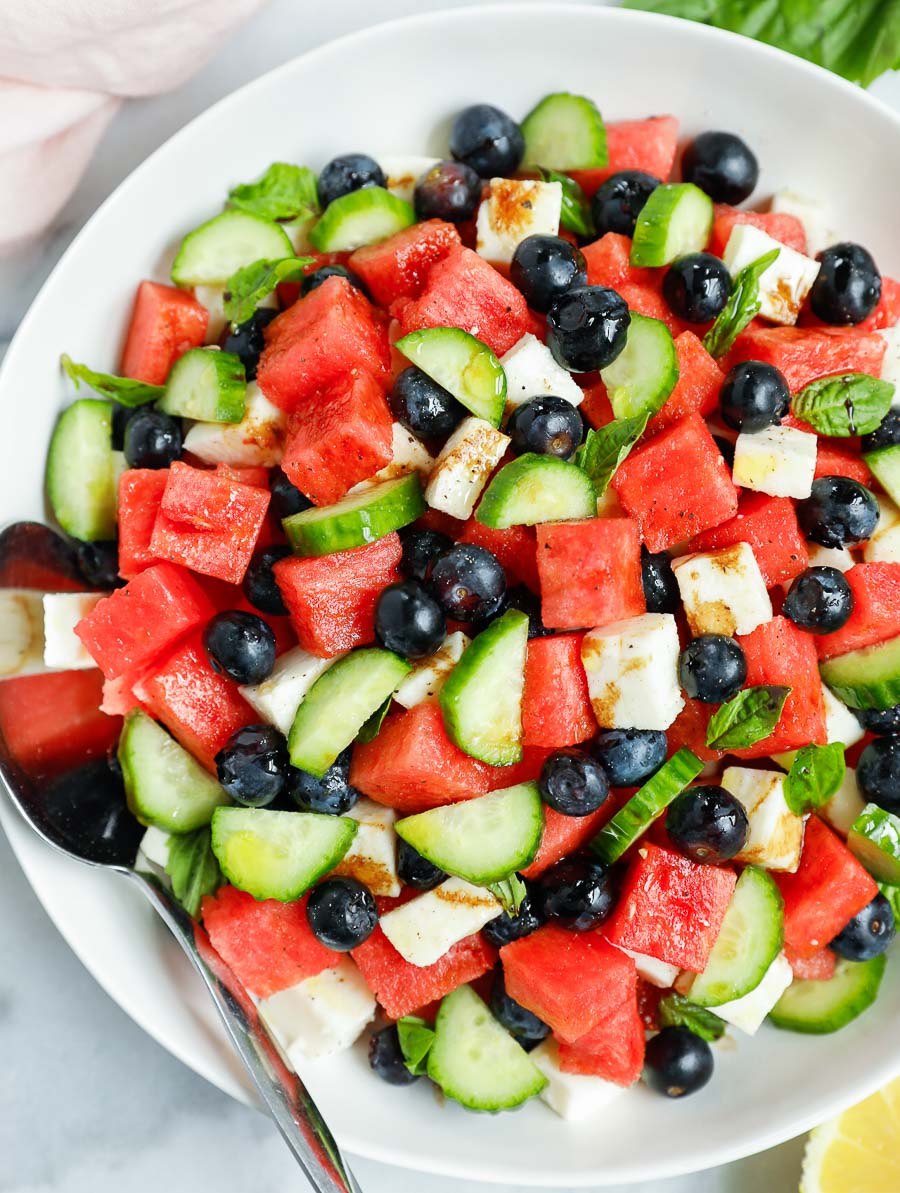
(283, 193)
(852, 404)
(372, 726)
(416, 1037)
(815, 775)
(247, 288)
(124, 390)
(510, 892)
(576, 209)
(677, 1011)
(743, 305)
(193, 868)
(746, 719)
(603, 451)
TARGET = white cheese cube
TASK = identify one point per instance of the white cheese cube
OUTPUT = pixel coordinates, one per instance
(462, 469)
(787, 281)
(840, 725)
(749, 1013)
(812, 214)
(516, 208)
(423, 929)
(890, 365)
(652, 970)
(408, 454)
(780, 461)
(403, 171)
(321, 1015)
(213, 298)
(776, 834)
(372, 856)
(63, 651)
(21, 633)
(256, 441)
(845, 805)
(423, 684)
(632, 672)
(723, 591)
(531, 372)
(830, 557)
(884, 545)
(277, 698)
(573, 1096)
(155, 846)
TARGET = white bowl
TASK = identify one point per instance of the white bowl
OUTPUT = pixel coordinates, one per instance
(393, 89)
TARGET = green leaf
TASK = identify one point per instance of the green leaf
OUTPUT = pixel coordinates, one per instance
(416, 1037)
(372, 727)
(676, 1011)
(248, 287)
(193, 868)
(603, 451)
(815, 775)
(746, 719)
(892, 894)
(124, 390)
(576, 208)
(852, 404)
(283, 193)
(510, 891)
(743, 305)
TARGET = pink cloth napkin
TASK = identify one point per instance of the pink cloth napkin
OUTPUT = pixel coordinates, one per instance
(65, 65)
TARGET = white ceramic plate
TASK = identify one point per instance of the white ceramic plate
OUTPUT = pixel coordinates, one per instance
(393, 89)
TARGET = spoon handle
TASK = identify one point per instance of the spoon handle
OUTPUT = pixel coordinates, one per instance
(290, 1105)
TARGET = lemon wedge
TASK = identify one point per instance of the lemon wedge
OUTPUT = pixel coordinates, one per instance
(859, 1150)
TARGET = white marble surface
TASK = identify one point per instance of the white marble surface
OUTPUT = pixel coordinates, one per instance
(88, 1103)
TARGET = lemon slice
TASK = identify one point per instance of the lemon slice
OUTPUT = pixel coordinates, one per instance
(859, 1151)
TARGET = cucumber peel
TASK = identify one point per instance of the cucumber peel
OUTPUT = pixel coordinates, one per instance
(676, 219)
(207, 385)
(866, 678)
(535, 488)
(357, 519)
(818, 1008)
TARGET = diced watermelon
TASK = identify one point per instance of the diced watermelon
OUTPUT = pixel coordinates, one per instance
(609, 263)
(648, 145)
(402, 988)
(249, 475)
(556, 708)
(268, 945)
(828, 890)
(834, 460)
(784, 228)
(769, 525)
(671, 907)
(649, 302)
(887, 313)
(590, 572)
(165, 323)
(596, 408)
(804, 354)
(118, 696)
(613, 1050)
(515, 547)
(876, 610)
(698, 385)
(331, 598)
(140, 495)
(567, 834)
(819, 967)
(689, 730)
(287, 293)
(397, 267)
(677, 485)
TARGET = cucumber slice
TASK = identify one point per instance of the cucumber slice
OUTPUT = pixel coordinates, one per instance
(339, 703)
(821, 1007)
(646, 370)
(751, 937)
(207, 385)
(360, 218)
(676, 219)
(866, 678)
(885, 464)
(874, 838)
(536, 489)
(165, 785)
(477, 1062)
(463, 365)
(81, 481)
(646, 805)
(482, 697)
(225, 244)
(481, 840)
(358, 519)
(565, 132)
(278, 855)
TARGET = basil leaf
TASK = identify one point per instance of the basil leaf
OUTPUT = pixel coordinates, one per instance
(815, 775)
(416, 1037)
(576, 208)
(372, 727)
(250, 285)
(510, 891)
(283, 192)
(852, 404)
(193, 868)
(743, 305)
(124, 390)
(603, 451)
(746, 719)
(676, 1011)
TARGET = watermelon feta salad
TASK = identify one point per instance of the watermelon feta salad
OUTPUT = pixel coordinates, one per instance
(479, 595)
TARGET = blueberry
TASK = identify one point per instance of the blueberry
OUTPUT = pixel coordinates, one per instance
(722, 165)
(587, 327)
(423, 406)
(658, 581)
(820, 600)
(122, 416)
(240, 645)
(848, 286)
(386, 1057)
(577, 893)
(878, 773)
(347, 173)
(312, 281)
(618, 201)
(630, 756)
(838, 511)
(754, 395)
(448, 191)
(518, 1021)
(488, 140)
(726, 450)
(677, 1062)
(696, 287)
(468, 581)
(573, 783)
(260, 587)
(882, 721)
(408, 620)
(529, 603)
(707, 824)
(286, 497)
(342, 913)
(507, 928)
(247, 340)
(886, 435)
(420, 549)
(87, 810)
(253, 764)
(99, 564)
(415, 870)
(712, 668)
(548, 425)
(152, 439)
(331, 795)
(545, 267)
(868, 934)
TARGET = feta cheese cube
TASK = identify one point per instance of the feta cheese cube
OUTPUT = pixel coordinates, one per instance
(840, 725)
(423, 929)
(63, 651)
(532, 372)
(632, 672)
(21, 633)
(573, 1096)
(462, 469)
(749, 1013)
(812, 214)
(277, 698)
(884, 545)
(155, 846)
(403, 171)
(830, 557)
(723, 591)
(516, 208)
(845, 805)
(423, 684)
(321, 1015)
(776, 834)
(780, 461)
(256, 441)
(890, 365)
(787, 281)
(408, 454)
(651, 969)
(213, 298)
(372, 856)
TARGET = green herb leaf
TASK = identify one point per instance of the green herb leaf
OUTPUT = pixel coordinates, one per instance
(416, 1037)
(852, 404)
(743, 305)
(603, 451)
(576, 208)
(676, 1011)
(193, 868)
(124, 390)
(283, 192)
(746, 719)
(510, 891)
(815, 775)
(372, 727)
(248, 287)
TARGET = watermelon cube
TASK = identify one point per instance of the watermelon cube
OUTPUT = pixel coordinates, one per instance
(887, 313)
(118, 696)
(140, 496)
(567, 834)
(698, 385)
(596, 408)
(781, 226)
(876, 610)
(515, 547)
(647, 145)
(769, 525)
(613, 1050)
(648, 301)
(590, 572)
(556, 707)
(819, 967)
(249, 474)
(609, 263)
(689, 730)
(397, 267)
(834, 460)
(165, 323)
(804, 354)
